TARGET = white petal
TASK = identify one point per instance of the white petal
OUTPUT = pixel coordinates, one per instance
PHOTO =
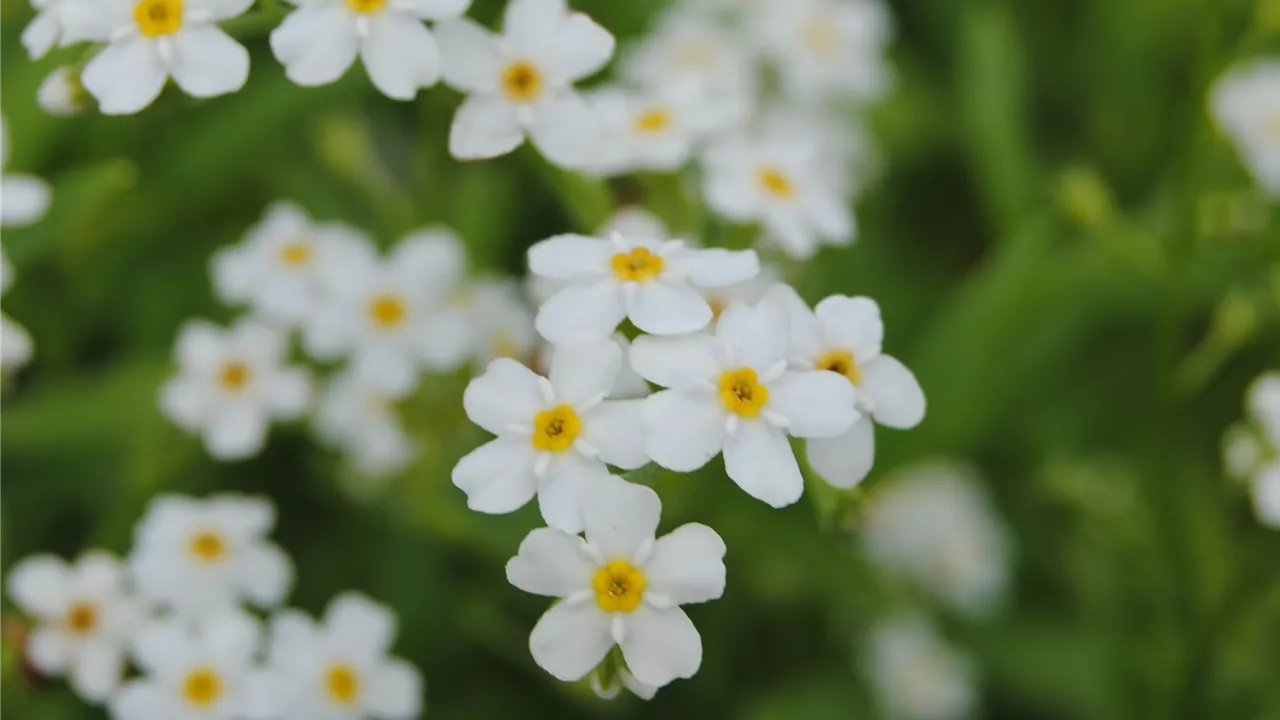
(585, 371)
(569, 480)
(677, 362)
(683, 429)
(236, 433)
(359, 625)
(570, 639)
(50, 650)
(614, 429)
(97, 670)
(439, 9)
(582, 47)
(220, 9)
(91, 20)
(580, 313)
(23, 200)
(758, 333)
(485, 126)
(565, 257)
(161, 646)
(687, 565)
(469, 55)
(316, 43)
(433, 256)
(817, 403)
(844, 461)
(508, 393)
(661, 645)
(832, 216)
(759, 459)
(620, 517)
(400, 55)
(395, 692)
(529, 25)
(146, 699)
(41, 33)
(388, 368)
(289, 393)
(207, 62)
(232, 637)
(125, 77)
(717, 267)
(807, 336)
(565, 130)
(899, 401)
(446, 339)
(39, 585)
(551, 562)
(99, 575)
(668, 308)
(268, 575)
(853, 323)
(497, 476)
(199, 345)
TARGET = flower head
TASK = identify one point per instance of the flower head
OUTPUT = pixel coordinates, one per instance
(827, 48)
(653, 130)
(60, 93)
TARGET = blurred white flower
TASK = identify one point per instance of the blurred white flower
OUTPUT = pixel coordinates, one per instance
(844, 335)
(1263, 401)
(361, 420)
(621, 678)
(847, 162)
(827, 48)
(1242, 450)
(150, 41)
(60, 93)
(319, 40)
(192, 672)
(651, 130)
(1265, 490)
(620, 587)
(338, 669)
(733, 393)
(501, 319)
(391, 317)
(85, 614)
(1245, 103)
(1251, 449)
(521, 82)
(45, 29)
(554, 435)
(231, 384)
(934, 525)
(915, 675)
(649, 280)
(23, 198)
(203, 557)
(15, 343)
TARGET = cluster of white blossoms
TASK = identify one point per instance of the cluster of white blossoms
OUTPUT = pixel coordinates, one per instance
(23, 201)
(166, 634)
(1251, 448)
(915, 675)
(1245, 103)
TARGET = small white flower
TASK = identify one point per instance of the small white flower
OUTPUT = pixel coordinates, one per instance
(732, 392)
(554, 435)
(648, 280)
(827, 48)
(23, 199)
(620, 587)
(847, 162)
(916, 675)
(934, 525)
(1245, 102)
(231, 384)
(45, 29)
(844, 335)
(1265, 490)
(779, 182)
(201, 672)
(15, 343)
(339, 669)
(501, 320)
(61, 94)
(391, 317)
(1263, 401)
(85, 614)
(150, 41)
(361, 420)
(321, 39)
(653, 130)
(281, 267)
(203, 557)
(521, 83)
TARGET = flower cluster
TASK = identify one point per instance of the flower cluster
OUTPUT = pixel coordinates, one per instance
(1245, 103)
(1251, 448)
(175, 612)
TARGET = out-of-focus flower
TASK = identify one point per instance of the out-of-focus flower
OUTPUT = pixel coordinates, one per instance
(844, 335)
(847, 162)
(85, 615)
(1265, 491)
(23, 198)
(733, 392)
(747, 292)
(1263, 402)
(60, 93)
(192, 672)
(827, 48)
(651, 281)
(150, 41)
(231, 384)
(321, 39)
(554, 435)
(361, 420)
(654, 130)
(203, 557)
(521, 82)
(1245, 102)
(934, 525)
(338, 669)
(15, 343)
(916, 676)
(392, 317)
(620, 587)
(629, 386)
(501, 320)
(45, 29)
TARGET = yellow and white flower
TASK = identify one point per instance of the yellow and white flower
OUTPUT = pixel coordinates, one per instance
(827, 49)
(1245, 103)
(23, 198)
(915, 675)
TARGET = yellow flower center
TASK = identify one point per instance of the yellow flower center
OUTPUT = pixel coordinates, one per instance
(158, 17)
(555, 430)
(296, 253)
(387, 311)
(202, 687)
(522, 81)
(619, 586)
(741, 392)
(208, 546)
(368, 7)
(821, 36)
(653, 120)
(82, 618)
(638, 265)
(776, 183)
(841, 362)
(234, 376)
(343, 684)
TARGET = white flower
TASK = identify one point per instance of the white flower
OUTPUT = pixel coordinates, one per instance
(648, 280)
(45, 29)
(653, 130)
(732, 392)
(843, 335)
(554, 435)
(281, 267)
(522, 81)
(84, 616)
(1265, 490)
(391, 317)
(779, 182)
(231, 384)
(847, 162)
(629, 385)
(23, 199)
(201, 672)
(339, 669)
(150, 41)
(15, 343)
(60, 93)
(202, 557)
(916, 676)
(620, 587)
(1263, 401)
(321, 39)
(934, 525)
(501, 320)
(1245, 103)
(826, 48)
(361, 420)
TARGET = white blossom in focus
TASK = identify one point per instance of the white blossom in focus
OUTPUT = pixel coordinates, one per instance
(15, 342)
(60, 93)
(1245, 103)
(23, 198)
(915, 675)
(827, 48)
(361, 420)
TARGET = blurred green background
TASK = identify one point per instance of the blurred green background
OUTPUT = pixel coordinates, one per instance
(1065, 251)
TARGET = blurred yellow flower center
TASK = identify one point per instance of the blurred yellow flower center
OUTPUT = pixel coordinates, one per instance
(555, 430)
(202, 687)
(366, 6)
(840, 361)
(343, 684)
(234, 376)
(718, 307)
(639, 264)
(775, 182)
(296, 253)
(694, 56)
(1271, 127)
(653, 120)
(387, 311)
(504, 346)
(619, 586)
(821, 36)
(82, 618)
(741, 392)
(208, 546)
(158, 17)
(522, 81)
